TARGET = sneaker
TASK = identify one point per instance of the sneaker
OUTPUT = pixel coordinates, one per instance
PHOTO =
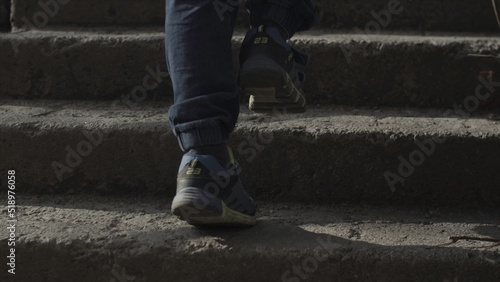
(269, 71)
(210, 195)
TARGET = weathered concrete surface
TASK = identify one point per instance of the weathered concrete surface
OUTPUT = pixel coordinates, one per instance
(423, 15)
(385, 70)
(324, 155)
(89, 238)
(80, 65)
(29, 14)
(398, 70)
(4, 15)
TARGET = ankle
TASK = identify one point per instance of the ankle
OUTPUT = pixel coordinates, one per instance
(219, 151)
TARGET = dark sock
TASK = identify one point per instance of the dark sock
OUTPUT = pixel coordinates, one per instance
(219, 151)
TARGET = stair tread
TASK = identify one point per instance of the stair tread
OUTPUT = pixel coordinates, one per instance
(136, 237)
(317, 120)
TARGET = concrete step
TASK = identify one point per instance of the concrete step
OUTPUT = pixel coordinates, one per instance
(328, 154)
(79, 238)
(444, 15)
(345, 69)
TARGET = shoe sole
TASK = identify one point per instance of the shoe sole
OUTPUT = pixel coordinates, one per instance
(270, 87)
(200, 208)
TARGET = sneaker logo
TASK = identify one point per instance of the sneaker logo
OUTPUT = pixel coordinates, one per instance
(194, 171)
(260, 40)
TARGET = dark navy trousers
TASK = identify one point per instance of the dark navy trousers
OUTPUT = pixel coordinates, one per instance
(200, 62)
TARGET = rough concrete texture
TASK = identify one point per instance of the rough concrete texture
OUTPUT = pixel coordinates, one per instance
(422, 15)
(329, 154)
(398, 70)
(416, 15)
(29, 14)
(385, 70)
(81, 66)
(88, 238)
(4, 15)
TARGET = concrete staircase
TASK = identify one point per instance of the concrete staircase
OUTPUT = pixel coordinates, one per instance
(400, 148)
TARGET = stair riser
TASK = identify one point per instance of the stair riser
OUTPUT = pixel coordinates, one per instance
(356, 70)
(382, 264)
(290, 165)
(448, 15)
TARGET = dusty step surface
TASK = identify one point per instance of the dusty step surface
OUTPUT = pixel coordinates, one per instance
(345, 69)
(424, 15)
(90, 238)
(328, 154)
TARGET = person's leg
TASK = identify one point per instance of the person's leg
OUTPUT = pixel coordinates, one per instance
(199, 59)
(270, 69)
(206, 106)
